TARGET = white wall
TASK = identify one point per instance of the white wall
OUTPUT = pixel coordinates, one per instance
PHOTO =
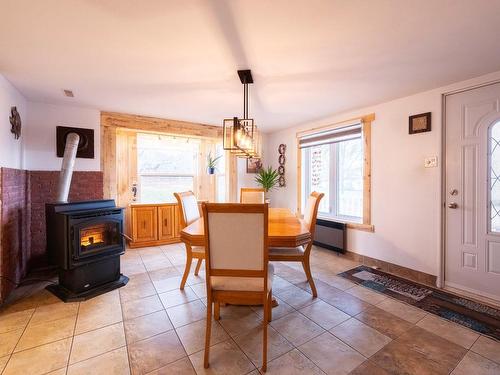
(11, 149)
(406, 197)
(40, 139)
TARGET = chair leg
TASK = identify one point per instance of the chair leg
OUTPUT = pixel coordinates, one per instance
(307, 270)
(198, 265)
(270, 306)
(189, 259)
(264, 333)
(208, 332)
(216, 310)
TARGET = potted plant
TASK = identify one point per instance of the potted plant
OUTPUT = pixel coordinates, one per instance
(267, 178)
(212, 163)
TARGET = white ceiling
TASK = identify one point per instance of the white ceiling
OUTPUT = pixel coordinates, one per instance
(178, 59)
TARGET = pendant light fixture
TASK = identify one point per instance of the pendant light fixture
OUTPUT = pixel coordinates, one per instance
(240, 136)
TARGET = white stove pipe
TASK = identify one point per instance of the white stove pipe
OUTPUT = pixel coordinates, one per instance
(68, 163)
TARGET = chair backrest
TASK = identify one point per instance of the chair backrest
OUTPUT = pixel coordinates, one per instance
(252, 195)
(236, 239)
(311, 210)
(188, 207)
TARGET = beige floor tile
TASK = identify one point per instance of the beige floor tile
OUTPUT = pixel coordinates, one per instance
(280, 284)
(296, 328)
(157, 264)
(177, 297)
(155, 352)
(238, 320)
(132, 269)
(324, 314)
(332, 355)
(488, 348)
(384, 322)
(192, 335)
(96, 342)
(98, 312)
(293, 363)
(8, 341)
(181, 367)
(61, 371)
(135, 291)
(139, 278)
(448, 330)
(369, 368)
(111, 363)
(334, 280)
(14, 321)
(475, 364)
(251, 344)
(402, 310)
(187, 313)
(39, 360)
(140, 307)
(43, 333)
(146, 326)
(295, 297)
(279, 311)
(168, 284)
(3, 362)
(200, 289)
(361, 337)
(341, 300)
(164, 273)
(419, 352)
(366, 294)
(224, 358)
(48, 313)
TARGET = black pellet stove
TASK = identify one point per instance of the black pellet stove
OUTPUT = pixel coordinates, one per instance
(85, 241)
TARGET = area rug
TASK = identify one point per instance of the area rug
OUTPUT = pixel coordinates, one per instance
(477, 316)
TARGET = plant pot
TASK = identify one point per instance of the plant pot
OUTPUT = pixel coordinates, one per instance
(267, 200)
(211, 170)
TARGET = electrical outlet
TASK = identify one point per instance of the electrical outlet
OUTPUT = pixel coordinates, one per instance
(431, 162)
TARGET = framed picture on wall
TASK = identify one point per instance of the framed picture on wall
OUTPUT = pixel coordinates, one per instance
(254, 165)
(420, 123)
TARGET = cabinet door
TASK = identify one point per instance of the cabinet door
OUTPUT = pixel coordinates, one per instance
(144, 223)
(166, 225)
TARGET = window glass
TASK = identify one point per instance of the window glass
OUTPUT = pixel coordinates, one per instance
(319, 174)
(350, 178)
(495, 177)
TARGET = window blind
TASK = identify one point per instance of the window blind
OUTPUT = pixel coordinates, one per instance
(341, 134)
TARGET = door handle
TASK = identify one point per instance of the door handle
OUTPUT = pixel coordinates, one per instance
(452, 205)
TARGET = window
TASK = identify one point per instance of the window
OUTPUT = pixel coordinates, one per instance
(335, 161)
(220, 187)
(495, 177)
(165, 165)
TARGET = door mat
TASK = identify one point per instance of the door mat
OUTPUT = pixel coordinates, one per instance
(477, 316)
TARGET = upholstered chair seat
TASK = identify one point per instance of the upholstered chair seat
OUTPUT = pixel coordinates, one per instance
(249, 284)
(299, 250)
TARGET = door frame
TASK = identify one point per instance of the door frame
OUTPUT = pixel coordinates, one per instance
(440, 280)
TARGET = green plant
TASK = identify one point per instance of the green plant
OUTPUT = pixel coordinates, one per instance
(267, 178)
(212, 162)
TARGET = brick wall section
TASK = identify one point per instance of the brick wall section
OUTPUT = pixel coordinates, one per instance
(14, 228)
(43, 186)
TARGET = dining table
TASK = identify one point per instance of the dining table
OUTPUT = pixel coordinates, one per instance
(285, 229)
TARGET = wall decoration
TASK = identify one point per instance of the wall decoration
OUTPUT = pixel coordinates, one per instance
(15, 121)
(281, 161)
(420, 123)
(254, 165)
(85, 146)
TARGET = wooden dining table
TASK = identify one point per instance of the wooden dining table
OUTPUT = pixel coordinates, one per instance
(284, 230)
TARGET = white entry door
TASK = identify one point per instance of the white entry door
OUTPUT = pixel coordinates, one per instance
(472, 256)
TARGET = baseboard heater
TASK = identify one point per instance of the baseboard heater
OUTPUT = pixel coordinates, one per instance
(330, 235)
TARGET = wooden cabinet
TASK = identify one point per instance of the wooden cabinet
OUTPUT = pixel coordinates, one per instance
(154, 224)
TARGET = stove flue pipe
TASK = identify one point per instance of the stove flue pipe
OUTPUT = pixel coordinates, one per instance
(68, 163)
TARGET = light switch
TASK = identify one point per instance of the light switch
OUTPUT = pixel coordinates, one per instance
(431, 162)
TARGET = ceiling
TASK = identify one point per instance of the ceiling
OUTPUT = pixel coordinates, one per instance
(178, 59)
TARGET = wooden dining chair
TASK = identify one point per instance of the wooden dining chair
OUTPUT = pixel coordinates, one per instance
(237, 266)
(252, 195)
(299, 254)
(189, 212)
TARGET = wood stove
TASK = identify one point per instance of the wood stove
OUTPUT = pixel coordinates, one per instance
(85, 241)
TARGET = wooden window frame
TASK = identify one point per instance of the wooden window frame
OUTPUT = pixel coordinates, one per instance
(366, 125)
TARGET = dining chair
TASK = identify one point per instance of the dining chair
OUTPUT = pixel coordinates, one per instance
(189, 212)
(237, 266)
(299, 254)
(252, 195)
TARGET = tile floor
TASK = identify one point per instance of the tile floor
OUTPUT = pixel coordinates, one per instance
(150, 327)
